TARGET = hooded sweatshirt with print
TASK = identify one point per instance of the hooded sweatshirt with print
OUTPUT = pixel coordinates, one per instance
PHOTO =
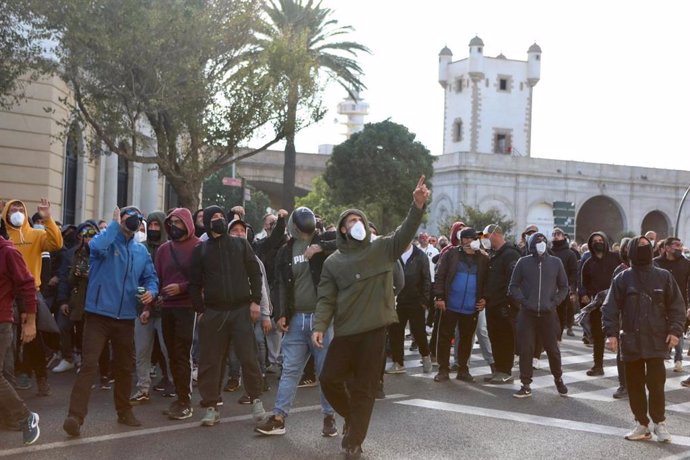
(539, 283)
(173, 260)
(356, 287)
(32, 242)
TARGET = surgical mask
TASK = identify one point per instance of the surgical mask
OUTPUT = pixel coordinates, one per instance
(39, 227)
(219, 226)
(358, 232)
(651, 243)
(132, 223)
(541, 247)
(140, 237)
(486, 242)
(17, 218)
(475, 245)
(176, 233)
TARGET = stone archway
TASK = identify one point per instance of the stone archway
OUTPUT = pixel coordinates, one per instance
(599, 213)
(658, 222)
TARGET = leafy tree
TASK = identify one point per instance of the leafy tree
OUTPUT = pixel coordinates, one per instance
(296, 43)
(214, 192)
(320, 200)
(477, 219)
(20, 50)
(376, 171)
(163, 81)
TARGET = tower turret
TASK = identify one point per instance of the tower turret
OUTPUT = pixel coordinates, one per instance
(533, 64)
(444, 59)
(476, 58)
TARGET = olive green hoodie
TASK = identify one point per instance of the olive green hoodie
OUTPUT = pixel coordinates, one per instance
(356, 287)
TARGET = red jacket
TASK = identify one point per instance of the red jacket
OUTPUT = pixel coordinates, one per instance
(15, 281)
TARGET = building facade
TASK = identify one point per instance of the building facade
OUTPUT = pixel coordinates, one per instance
(486, 161)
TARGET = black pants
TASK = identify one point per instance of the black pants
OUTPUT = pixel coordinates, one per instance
(501, 327)
(652, 373)
(178, 333)
(97, 331)
(620, 364)
(358, 356)
(217, 329)
(449, 320)
(415, 315)
(433, 341)
(566, 313)
(598, 338)
(546, 326)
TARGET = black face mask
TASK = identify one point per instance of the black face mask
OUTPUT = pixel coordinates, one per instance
(176, 233)
(219, 226)
(153, 235)
(132, 223)
(643, 256)
(598, 247)
(198, 231)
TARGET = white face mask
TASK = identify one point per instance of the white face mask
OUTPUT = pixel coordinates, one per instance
(486, 243)
(39, 227)
(541, 247)
(651, 242)
(475, 245)
(358, 232)
(140, 237)
(17, 219)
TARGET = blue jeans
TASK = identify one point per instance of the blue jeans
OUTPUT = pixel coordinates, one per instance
(679, 349)
(296, 348)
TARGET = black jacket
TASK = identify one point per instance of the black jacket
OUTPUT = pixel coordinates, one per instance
(228, 273)
(285, 307)
(680, 269)
(417, 288)
(267, 248)
(562, 250)
(501, 267)
(643, 306)
(448, 267)
(597, 272)
(539, 283)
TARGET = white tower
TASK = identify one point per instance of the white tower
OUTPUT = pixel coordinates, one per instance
(355, 110)
(533, 64)
(444, 58)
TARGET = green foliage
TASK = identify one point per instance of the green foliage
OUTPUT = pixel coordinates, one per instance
(477, 219)
(320, 200)
(376, 170)
(215, 193)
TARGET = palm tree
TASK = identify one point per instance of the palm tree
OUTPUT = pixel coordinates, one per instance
(298, 45)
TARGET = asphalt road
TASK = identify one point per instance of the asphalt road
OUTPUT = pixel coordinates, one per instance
(419, 419)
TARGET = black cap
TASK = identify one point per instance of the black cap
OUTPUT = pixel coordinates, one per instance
(468, 232)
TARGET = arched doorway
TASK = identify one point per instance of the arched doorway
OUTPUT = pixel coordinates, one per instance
(658, 222)
(599, 213)
(69, 189)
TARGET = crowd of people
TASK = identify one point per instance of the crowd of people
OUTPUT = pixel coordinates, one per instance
(204, 300)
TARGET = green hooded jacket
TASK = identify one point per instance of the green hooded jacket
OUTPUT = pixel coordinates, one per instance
(356, 287)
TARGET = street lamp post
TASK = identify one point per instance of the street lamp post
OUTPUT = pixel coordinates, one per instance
(680, 208)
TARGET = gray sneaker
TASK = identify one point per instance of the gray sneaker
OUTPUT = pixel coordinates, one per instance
(661, 432)
(258, 412)
(639, 433)
(426, 365)
(211, 417)
(395, 368)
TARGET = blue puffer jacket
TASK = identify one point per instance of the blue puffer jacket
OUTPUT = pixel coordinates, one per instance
(117, 267)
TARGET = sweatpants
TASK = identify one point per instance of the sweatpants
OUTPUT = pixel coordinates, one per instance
(546, 326)
(652, 374)
(501, 327)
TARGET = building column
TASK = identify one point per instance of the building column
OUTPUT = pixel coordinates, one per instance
(149, 188)
(108, 185)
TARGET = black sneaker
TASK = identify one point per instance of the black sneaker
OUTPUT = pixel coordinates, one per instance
(161, 385)
(465, 377)
(524, 392)
(170, 391)
(271, 426)
(105, 383)
(140, 397)
(43, 387)
(30, 429)
(353, 452)
(180, 411)
(72, 426)
(595, 371)
(570, 332)
(307, 382)
(232, 385)
(620, 393)
(560, 386)
(128, 418)
(329, 429)
(244, 399)
(442, 376)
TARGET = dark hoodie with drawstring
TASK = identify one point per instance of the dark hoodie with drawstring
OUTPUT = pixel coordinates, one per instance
(597, 272)
(539, 283)
(643, 306)
(356, 288)
(151, 244)
(174, 261)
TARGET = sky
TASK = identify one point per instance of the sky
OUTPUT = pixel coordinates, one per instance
(615, 75)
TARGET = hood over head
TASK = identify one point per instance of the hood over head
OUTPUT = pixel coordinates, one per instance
(157, 216)
(208, 213)
(345, 242)
(532, 242)
(185, 216)
(11, 228)
(634, 252)
(601, 234)
(625, 247)
(454, 241)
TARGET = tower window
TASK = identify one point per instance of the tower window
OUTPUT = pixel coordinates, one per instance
(502, 142)
(503, 84)
(538, 57)
(458, 85)
(457, 130)
(479, 49)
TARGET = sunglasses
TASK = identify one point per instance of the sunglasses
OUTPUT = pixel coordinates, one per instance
(88, 233)
(132, 212)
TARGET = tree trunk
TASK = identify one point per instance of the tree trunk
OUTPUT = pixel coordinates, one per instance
(290, 161)
(187, 193)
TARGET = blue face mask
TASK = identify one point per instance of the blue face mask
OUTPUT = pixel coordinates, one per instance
(39, 227)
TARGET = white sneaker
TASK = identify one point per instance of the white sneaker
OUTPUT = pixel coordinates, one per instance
(639, 433)
(396, 368)
(661, 432)
(426, 364)
(535, 363)
(63, 366)
(678, 366)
